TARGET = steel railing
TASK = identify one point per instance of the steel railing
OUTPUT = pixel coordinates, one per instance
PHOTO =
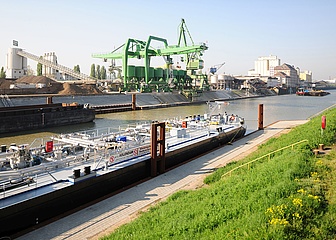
(266, 155)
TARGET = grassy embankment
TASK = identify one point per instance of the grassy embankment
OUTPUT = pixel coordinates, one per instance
(290, 196)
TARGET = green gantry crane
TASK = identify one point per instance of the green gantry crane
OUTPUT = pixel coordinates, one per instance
(134, 48)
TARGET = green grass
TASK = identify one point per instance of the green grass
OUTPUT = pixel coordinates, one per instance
(291, 196)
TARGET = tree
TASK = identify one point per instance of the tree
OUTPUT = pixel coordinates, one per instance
(39, 69)
(93, 70)
(77, 68)
(98, 73)
(103, 72)
(2, 73)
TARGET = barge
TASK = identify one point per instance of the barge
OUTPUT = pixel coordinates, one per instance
(81, 167)
(30, 117)
(306, 92)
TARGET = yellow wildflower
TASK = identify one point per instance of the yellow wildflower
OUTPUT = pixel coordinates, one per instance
(301, 191)
(279, 221)
(297, 202)
(314, 197)
(284, 222)
(269, 210)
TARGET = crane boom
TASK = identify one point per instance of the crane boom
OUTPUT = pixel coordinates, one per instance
(215, 68)
(134, 48)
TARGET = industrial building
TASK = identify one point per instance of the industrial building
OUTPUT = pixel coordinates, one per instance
(306, 76)
(16, 65)
(264, 66)
(287, 75)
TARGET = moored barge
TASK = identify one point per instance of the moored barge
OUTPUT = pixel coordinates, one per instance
(30, 117)
(81, 167)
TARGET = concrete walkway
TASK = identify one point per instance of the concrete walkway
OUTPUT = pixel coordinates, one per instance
(101, 218)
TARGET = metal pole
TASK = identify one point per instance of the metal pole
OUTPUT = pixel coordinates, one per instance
(133, 102)
(261, 117)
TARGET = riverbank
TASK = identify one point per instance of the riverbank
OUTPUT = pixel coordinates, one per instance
(105, 216)
(272, 194)
(143, 100)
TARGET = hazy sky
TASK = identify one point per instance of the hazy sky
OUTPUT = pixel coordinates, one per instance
(300, 32)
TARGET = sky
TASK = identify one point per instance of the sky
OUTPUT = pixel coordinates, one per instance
(300, 32)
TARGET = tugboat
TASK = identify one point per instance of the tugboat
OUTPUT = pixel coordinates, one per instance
(312, 92)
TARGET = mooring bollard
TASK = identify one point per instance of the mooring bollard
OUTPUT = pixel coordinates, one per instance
(261, 117)
(133, 102)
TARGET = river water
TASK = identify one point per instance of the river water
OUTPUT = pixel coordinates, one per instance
(283, 107)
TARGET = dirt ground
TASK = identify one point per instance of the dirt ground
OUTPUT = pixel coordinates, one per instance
(51, 86)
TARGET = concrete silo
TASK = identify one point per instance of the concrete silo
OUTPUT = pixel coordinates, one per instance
(16, 65)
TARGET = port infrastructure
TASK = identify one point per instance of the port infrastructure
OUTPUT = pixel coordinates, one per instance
(146, 78)
(83, 78)
(214, 69)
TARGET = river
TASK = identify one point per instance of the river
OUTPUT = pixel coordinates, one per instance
(283, 107)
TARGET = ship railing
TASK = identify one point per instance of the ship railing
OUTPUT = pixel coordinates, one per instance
(37, 141)
(128, 153)
(43, 168)
(98, 133)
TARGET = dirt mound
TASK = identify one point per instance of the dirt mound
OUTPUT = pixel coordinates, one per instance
(4, 84)
(78, 89)
(35, 79)
(51, 86)
(92, 89)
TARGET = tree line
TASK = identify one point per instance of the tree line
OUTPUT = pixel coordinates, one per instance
(98, 72)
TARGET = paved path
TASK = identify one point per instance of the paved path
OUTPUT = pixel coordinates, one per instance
(108, 214)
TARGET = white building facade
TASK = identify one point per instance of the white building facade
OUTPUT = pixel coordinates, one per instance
(264, 66)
